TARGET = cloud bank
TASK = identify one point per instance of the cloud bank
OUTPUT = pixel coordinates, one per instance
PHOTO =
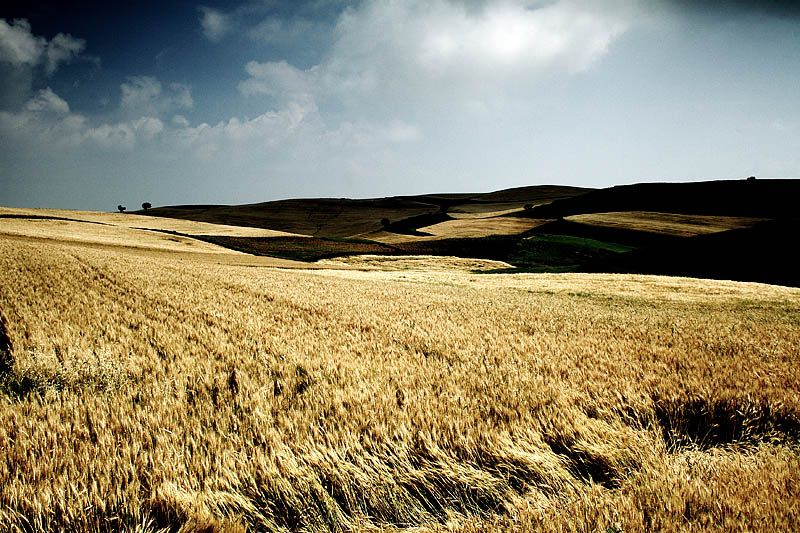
(387, 58)
(404, 96)
(24, 55)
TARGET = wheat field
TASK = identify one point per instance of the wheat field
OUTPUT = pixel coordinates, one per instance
(170, 391)
(130, 221)
(677, 225)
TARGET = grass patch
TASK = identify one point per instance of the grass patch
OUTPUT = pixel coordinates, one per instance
(561, 253)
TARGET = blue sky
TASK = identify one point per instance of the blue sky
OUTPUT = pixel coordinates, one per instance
(179, 102)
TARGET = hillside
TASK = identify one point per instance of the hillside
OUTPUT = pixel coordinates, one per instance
(736, 230)
(343, 217)
(737, 198)
(719, 229)
(763, 252)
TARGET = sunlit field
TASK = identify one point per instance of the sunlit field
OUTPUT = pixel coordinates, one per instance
(175, 391)
(130, 221)
(471, 227)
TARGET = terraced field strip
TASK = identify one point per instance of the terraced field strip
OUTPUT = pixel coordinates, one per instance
(665, 223)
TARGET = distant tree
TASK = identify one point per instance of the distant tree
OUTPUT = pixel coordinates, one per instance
(146, 206)
(121, 208)
(751, 178)
(385, 222)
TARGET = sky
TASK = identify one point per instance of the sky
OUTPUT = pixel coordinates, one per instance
(103, 103)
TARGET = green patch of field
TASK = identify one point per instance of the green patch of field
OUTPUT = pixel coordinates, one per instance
(562, 253)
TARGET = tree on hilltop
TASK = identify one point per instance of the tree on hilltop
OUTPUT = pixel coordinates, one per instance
(146, 206)
(121, 208)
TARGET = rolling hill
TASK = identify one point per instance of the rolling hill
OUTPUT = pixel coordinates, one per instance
(739, 198)
(343, 217)
(730, 229)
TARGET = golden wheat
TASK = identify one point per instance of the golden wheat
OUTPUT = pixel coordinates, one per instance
(145, 391)
(128, 220)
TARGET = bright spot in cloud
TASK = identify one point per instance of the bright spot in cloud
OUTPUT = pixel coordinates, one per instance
(215, 23)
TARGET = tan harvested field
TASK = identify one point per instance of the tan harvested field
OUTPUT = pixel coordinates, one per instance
(127, 220)
(487, 210)
(665, 223)
(142, 391)
(483, 227)
(420, 263)
(388, 237)
(109, 231)
(458, 214)
(461, 228)
(92, 233)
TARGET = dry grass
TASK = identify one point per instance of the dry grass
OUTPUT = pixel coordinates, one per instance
(188, 227)
(140, 391)
(463, 212)
(108, 235)
(423, 263)
(462, 227)
(665, 223)
(481, 227)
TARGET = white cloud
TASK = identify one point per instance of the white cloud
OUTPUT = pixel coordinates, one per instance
(180, 121)
(399, 131)
(567, 35)
(19, 46)
(215, 23)
(267, 129)
(148, 127)
(47, 100)
(400, 53)
(139, 91)
(432, 45)
(181, 95)
(401, 71)
(395, 73)
(46, 123)
(24, 55)
(145, 95)
(279, 79)
(61, 49)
